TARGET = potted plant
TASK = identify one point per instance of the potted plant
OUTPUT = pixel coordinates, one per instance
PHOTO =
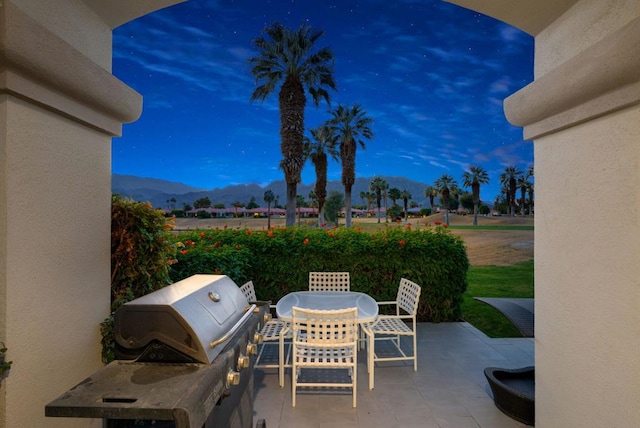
(4, 365)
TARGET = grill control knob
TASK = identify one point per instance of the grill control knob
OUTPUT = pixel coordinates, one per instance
(258, 338)
(252, 348)
(267, 318)
(233, 378)
(243, 362)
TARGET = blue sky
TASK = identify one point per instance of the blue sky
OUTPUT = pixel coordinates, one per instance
(430, 74)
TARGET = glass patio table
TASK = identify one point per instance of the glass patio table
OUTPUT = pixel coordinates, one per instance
(328, 300)
(322, 300)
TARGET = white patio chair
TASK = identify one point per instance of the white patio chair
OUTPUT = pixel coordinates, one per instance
(324, 340)
(271, 332)
(329, 281)
(391, 328)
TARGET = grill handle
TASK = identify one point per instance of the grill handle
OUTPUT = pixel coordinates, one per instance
(233, 329)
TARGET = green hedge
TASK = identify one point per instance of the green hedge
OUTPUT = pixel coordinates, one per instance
(278, 261)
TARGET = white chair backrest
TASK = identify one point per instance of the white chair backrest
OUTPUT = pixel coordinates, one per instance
(408, 296)
(325, 328)
(329, 281)
(249, 291)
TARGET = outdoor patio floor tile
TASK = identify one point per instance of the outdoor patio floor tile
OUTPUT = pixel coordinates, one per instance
(449, 389)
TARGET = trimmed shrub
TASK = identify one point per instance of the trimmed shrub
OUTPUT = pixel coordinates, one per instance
(279, 261)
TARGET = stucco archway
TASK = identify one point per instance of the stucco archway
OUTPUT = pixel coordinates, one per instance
(55, 132)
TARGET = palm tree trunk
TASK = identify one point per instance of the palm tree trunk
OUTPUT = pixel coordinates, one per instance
(268, 215)
(291, 204)
(475, 214)
(386, 214)
(347, 206)
(445, 202)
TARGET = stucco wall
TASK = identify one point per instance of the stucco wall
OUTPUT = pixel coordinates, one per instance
(54, 210)
(59, 109)
(57, 257)
(76, 23)
(588, 228)
(583, 25)
(587, 274)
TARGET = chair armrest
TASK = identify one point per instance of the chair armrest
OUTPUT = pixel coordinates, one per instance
(393, 302)
(404, 317)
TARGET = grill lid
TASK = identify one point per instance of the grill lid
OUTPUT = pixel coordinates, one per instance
(193, 316)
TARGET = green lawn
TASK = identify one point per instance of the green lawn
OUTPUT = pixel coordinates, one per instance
(495, 281)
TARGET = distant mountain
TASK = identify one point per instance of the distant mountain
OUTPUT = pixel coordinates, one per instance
(159, 192)
(127, 184)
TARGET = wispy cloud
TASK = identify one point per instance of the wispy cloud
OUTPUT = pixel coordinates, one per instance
(431, 75)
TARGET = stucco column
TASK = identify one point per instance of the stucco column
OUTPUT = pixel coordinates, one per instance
(583, 113)
(59, 108)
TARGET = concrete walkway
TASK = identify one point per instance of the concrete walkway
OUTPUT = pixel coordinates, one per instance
(449, 389)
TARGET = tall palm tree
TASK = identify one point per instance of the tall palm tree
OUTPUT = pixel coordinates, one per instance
(236, 205)
(509, 178)
(405, 195)
(365, 199)
(394, 195)
(316, 148)
(444, 185)
(431, 192)
(371, 196)
(524, 185)
(268, 198)
(385, 196)
(378, 186)
(351, 126)
(473, 178)
(287, 58)
(313, 199)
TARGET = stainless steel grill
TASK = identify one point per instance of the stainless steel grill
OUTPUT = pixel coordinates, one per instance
(194, 317)
(184, 355)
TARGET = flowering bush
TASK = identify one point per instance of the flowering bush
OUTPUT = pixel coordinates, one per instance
(279, 261)
(142, 249)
